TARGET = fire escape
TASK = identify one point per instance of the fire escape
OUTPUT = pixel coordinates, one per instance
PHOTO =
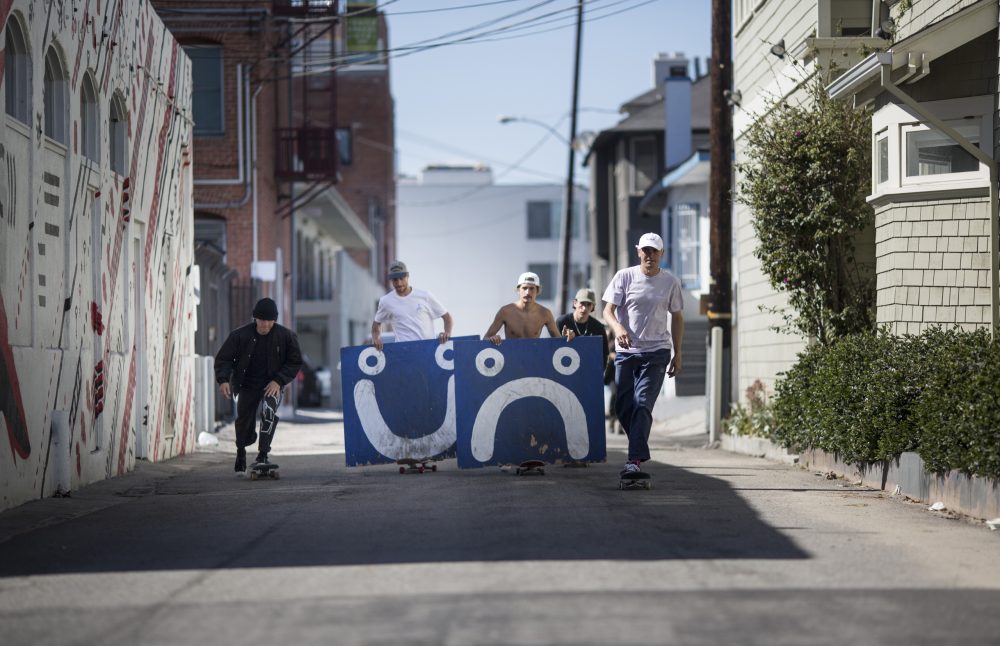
(307, 148)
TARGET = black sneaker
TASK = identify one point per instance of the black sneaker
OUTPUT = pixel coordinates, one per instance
(261, 458)
(241, 461)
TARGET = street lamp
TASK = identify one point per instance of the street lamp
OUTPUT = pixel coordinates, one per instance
(566, 229)
(507, 118)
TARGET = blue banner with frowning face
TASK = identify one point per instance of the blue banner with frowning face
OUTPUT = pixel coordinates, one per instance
(529, 399)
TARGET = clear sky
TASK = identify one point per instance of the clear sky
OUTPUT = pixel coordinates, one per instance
(448, 98)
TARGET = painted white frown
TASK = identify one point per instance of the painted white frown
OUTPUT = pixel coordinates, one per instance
(489, 363)
(378, 432)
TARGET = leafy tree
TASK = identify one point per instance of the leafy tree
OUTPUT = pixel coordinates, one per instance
(806, 178)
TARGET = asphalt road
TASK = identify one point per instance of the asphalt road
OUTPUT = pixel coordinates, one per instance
(725, 549)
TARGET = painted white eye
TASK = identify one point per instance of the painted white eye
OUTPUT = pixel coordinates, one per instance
(364, 362)
(566, 361)
(443, 361)
(489, 362)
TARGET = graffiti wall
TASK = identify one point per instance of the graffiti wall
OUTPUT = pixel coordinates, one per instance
(96, 307)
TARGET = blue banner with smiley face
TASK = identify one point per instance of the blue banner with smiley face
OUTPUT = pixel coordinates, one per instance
(529, 399)
(399, 403)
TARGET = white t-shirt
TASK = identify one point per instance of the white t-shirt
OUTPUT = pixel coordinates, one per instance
(411, 316)
(643, 306)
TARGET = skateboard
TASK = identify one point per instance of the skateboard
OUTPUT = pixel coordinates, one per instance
(265, 470)
(530, 467)
(637, 480)
(413, 464)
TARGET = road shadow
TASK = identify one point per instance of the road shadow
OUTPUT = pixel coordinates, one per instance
(321, 513)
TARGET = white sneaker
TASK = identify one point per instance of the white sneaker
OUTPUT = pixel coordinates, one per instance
(630, 467)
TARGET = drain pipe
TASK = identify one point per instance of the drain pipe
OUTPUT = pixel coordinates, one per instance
(885, 61)
(235, 204)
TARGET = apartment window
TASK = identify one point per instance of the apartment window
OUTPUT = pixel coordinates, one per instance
(542, 224)
(117, 120)
(912, 156)
(345, 146)
(687, 244)
(206, 89)
(929, 152)
(643, 157)
(547, 276)
(18, 72)
(54, 98)
(89, 120)
(882, 157)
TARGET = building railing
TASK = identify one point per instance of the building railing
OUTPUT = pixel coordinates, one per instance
(306, 153)
(310, 8)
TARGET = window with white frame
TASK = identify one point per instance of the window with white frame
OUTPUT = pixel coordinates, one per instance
(547, 277)
(54, 98)
(910, 155)
(17, 75)
(89, 120)
(687, 244)
(118, 148)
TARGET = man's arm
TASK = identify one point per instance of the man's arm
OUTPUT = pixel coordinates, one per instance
(225, 360)
(617, 329)
(377, 335)
(677, 332)
(448, 323)
(293, 361)
(492, 334)
(550, 325)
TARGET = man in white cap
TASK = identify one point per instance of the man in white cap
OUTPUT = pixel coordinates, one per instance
(580, 321)
(643, 308)
(524, 318)
(410, 311)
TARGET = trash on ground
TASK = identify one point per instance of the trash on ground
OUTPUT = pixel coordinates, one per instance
(898, 490)
(993, 524)
(207, 439)
(938, 506)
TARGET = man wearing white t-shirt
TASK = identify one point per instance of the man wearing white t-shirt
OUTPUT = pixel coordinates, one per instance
(411, 312)
(644, 303)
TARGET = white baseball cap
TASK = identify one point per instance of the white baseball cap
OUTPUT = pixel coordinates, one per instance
(529, 278)
(650, 240)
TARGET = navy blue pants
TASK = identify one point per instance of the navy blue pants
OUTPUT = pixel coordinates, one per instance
(638, 377)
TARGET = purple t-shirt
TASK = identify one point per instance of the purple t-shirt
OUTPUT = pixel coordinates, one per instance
(644, 304)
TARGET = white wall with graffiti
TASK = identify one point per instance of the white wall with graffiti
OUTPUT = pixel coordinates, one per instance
(96, 308)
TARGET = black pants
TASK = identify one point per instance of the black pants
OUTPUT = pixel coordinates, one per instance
(248, 402)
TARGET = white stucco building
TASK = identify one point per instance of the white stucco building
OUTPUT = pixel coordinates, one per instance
(466, 240)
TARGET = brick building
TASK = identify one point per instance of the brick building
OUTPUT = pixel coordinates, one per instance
(293, 165)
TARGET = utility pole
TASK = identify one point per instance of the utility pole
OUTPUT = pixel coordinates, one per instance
(567, 225)
(720, 209)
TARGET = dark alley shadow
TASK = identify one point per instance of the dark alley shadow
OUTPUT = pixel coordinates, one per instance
(322, 513)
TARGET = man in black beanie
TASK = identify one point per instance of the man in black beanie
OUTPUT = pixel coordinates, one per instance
(255, 364)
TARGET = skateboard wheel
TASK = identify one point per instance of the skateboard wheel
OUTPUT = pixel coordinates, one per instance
(253, 475)
(402, 470)
(434, 467)
(274, 474)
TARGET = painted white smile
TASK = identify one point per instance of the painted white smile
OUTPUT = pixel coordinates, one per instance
(489, 362)
(389, 444)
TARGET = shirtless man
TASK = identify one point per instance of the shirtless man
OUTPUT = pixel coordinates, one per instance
(524, 318)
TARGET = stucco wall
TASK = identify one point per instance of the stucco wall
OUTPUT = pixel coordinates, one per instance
(96, 309)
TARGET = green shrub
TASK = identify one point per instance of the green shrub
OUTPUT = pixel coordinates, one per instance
(870, 397)
(959, 412)
(756, 418)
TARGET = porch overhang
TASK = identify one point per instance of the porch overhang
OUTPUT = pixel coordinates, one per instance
(335, 217)
(910, 58)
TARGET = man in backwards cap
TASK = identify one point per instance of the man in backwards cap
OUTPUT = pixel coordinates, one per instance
(643, 308)
(581, 321)
(255, 364)
(525, 317)
(410, 311)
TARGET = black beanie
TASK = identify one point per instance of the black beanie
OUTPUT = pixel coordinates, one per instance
(265, 310)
